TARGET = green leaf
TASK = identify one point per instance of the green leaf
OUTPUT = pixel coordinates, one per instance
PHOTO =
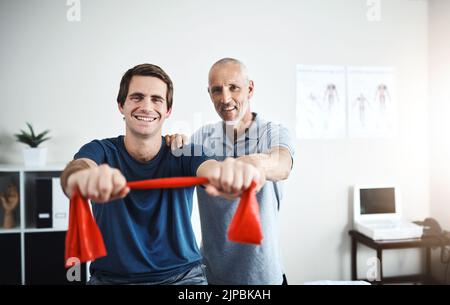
(30, 138)
(31, 129)
(41, 135)
(42, 140)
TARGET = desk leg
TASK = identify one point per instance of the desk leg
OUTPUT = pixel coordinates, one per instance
(380, 259)
(354, 259)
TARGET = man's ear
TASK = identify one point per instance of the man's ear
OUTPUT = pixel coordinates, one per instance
(251, 89)
(168, 113)
(120, 107)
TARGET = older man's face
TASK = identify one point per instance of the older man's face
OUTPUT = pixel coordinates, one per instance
(230, 91)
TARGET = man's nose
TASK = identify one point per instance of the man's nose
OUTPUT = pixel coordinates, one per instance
(148, 103)
(225, 95)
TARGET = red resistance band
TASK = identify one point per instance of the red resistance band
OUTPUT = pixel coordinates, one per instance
(85, 242)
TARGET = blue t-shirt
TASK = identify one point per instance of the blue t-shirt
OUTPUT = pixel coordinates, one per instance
(148, 234)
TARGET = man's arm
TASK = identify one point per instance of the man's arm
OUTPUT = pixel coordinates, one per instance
(73, 167)
(230, 177)
(100, 183)
(276, 164)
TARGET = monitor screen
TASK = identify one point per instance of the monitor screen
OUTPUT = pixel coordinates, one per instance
(377, 200)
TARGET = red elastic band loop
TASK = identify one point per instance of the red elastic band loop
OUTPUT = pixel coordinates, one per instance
(84, 240)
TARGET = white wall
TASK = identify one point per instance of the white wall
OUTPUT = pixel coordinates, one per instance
(439, 74)
(440, 109)
(65, 75)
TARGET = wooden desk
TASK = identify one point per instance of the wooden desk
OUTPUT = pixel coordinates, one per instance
(380, 245)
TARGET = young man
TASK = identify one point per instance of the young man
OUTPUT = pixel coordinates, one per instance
(245, 136)
(147, 233)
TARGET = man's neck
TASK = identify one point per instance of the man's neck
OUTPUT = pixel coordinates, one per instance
(233, 132)
(143, 149)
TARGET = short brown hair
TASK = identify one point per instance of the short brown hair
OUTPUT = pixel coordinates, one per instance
(145, 70)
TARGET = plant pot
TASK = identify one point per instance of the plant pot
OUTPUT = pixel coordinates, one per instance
(35, 157)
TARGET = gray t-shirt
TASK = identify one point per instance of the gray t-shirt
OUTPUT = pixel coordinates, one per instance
(231, 263)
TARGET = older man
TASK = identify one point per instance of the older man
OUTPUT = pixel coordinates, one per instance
(247, 137)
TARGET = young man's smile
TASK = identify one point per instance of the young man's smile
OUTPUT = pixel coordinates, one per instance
(148, 118)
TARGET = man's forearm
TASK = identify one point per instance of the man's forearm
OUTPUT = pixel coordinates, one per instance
(207, 167)
(73, 167)
(277, 164)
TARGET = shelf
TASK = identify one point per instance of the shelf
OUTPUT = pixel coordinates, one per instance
(31, 230)
(23, 168)
(9, 231)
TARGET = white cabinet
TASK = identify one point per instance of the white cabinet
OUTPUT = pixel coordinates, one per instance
(32, 244)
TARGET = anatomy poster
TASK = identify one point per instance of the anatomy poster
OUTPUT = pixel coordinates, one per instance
(338, 101)
(371, 102)
(321, 102)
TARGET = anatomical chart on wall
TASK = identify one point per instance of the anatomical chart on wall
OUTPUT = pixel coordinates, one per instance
(321, 101)
(339, 101)
(371, 102)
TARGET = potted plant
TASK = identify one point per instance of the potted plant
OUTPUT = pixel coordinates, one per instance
(34, 156)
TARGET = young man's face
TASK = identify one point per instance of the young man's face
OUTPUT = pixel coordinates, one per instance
(145, 107)
(230, 91)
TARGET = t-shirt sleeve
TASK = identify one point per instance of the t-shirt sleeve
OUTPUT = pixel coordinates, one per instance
(192, 160)
(197, 137)
(92, 150)
(277, 135)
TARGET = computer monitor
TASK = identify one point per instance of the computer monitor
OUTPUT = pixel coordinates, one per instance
(376, 202)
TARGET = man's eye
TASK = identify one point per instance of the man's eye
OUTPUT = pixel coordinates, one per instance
(234, 88)
(215, 90)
